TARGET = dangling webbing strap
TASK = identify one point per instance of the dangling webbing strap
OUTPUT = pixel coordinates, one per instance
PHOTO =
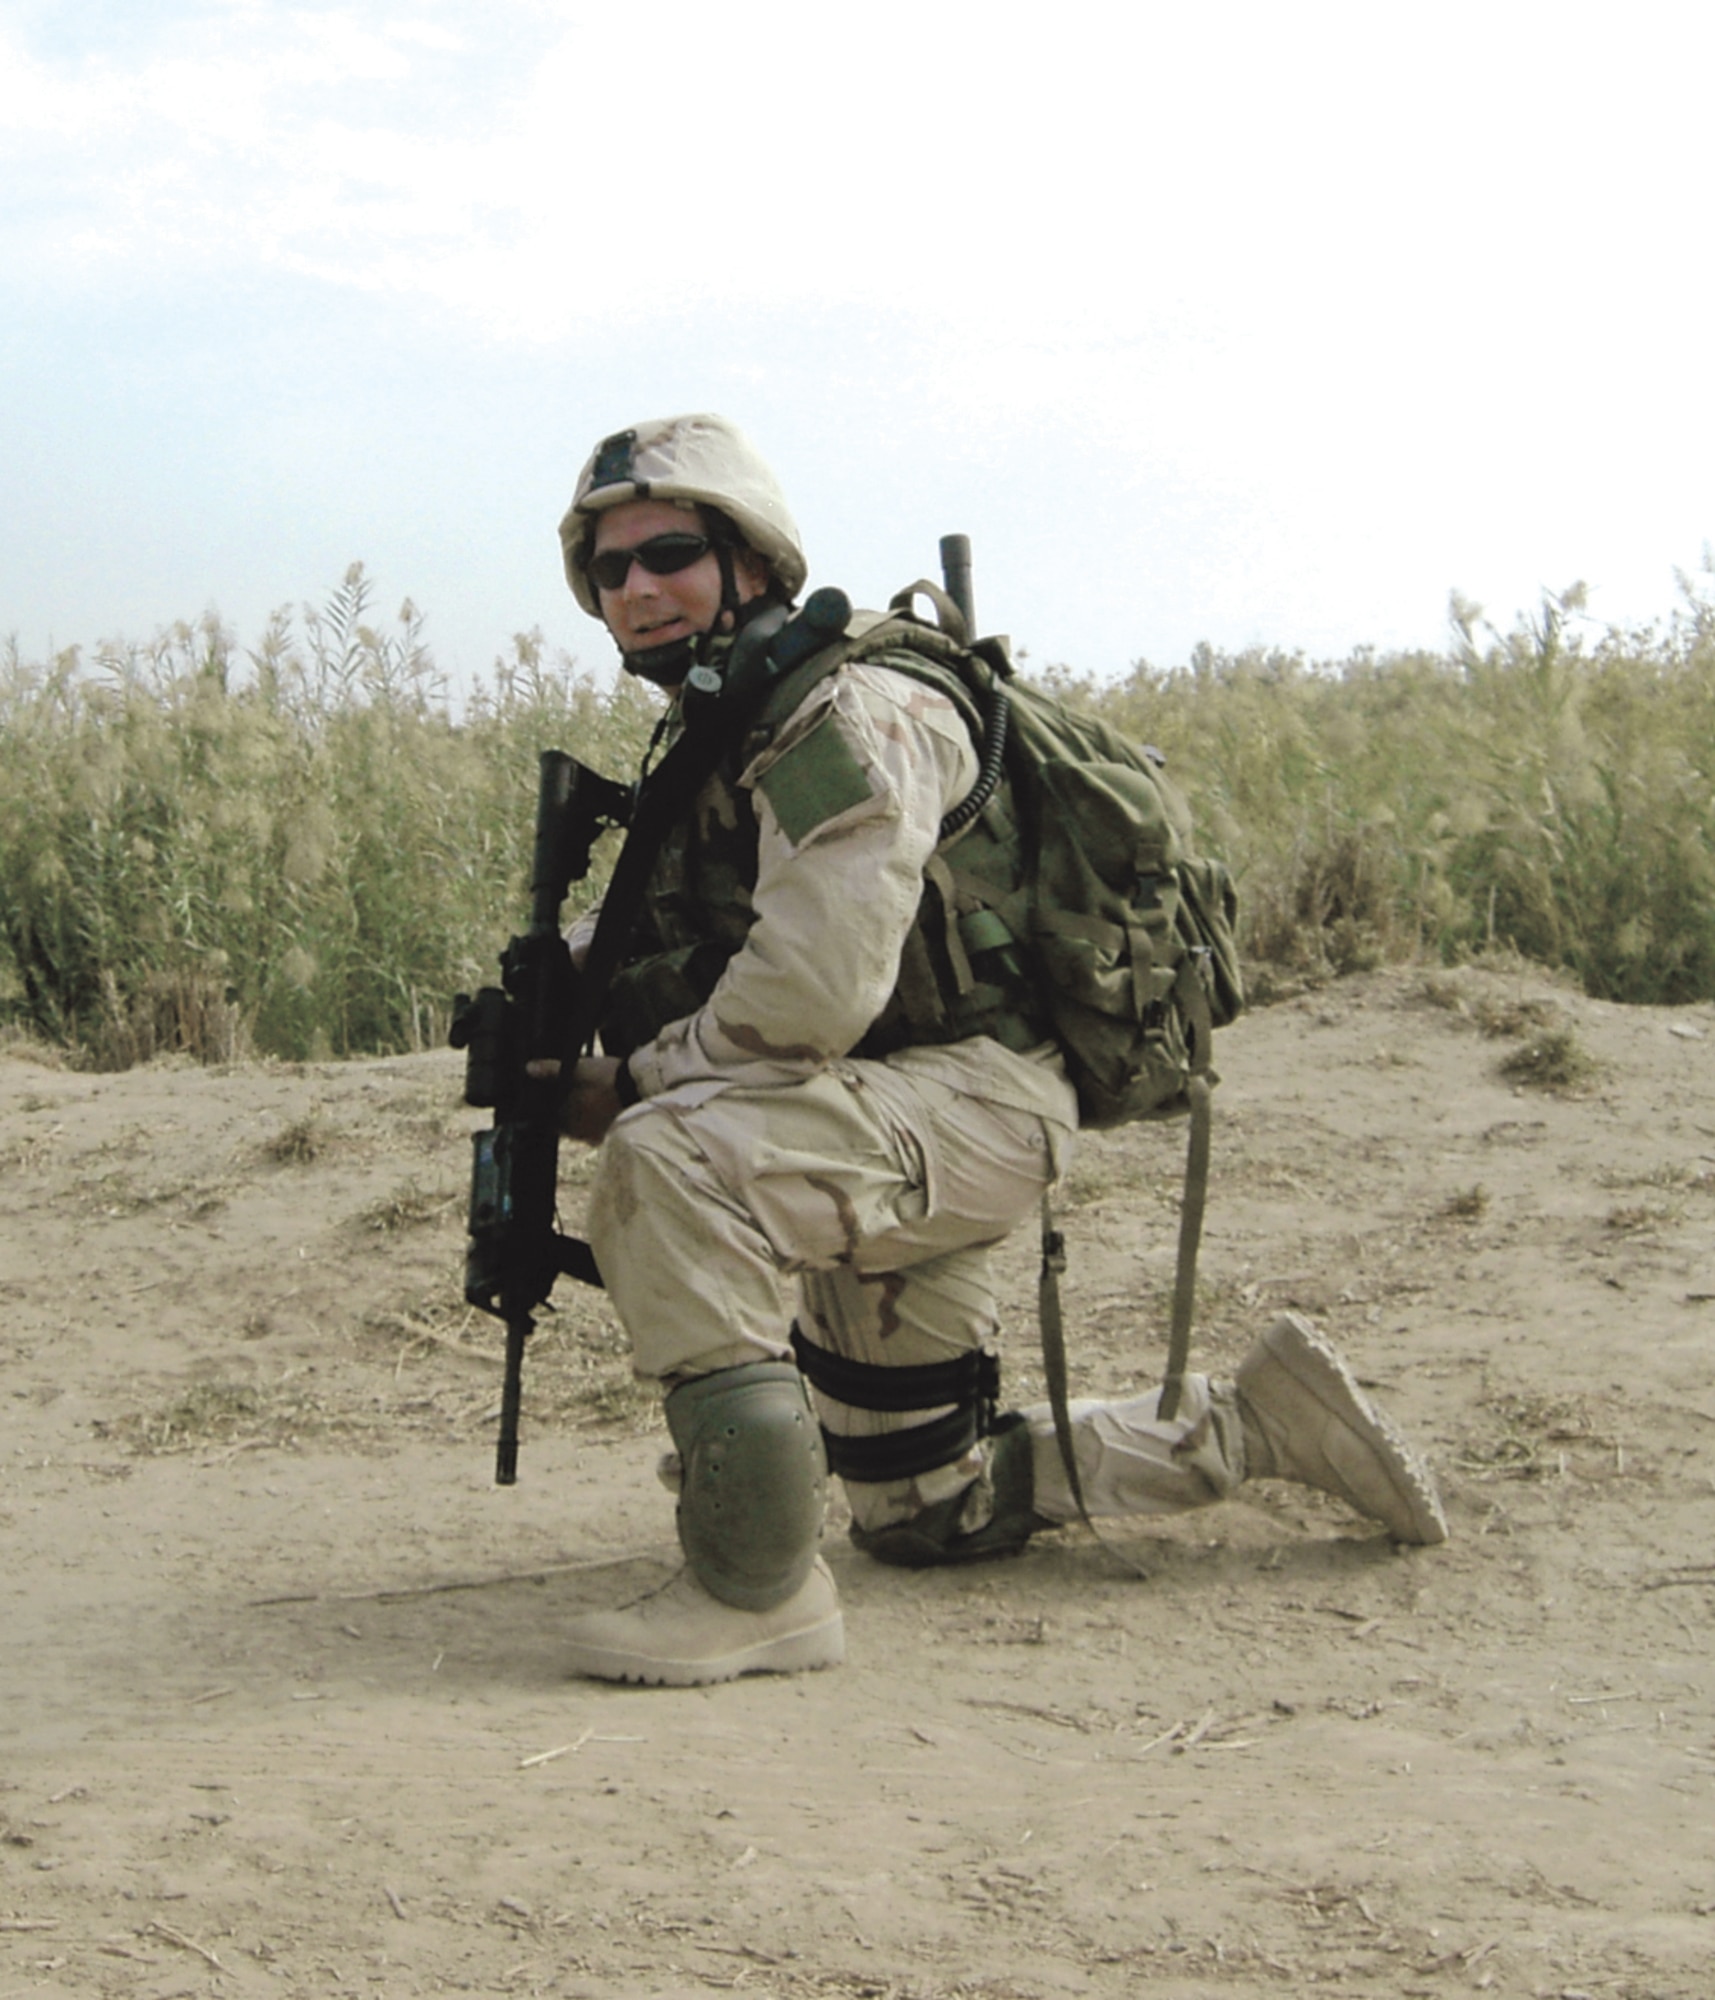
(1191, 1207)
(1190, 1236)
(1054, 1375)
(1053, 1329)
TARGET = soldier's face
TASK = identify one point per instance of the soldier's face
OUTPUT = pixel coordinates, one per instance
(647, 610)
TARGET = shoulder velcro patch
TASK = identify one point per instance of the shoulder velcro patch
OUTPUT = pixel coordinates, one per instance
(816, 780)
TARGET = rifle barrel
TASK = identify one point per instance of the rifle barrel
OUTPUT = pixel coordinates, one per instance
(511, 1399)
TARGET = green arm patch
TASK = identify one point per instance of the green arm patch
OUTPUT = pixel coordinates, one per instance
(815, 781)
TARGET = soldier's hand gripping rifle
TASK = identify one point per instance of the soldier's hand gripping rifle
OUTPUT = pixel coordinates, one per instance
(534, 1016)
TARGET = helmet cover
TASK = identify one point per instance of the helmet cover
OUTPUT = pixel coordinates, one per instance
(697, 461)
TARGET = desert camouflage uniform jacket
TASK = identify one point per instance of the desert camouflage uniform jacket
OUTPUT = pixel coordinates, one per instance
(796, 917)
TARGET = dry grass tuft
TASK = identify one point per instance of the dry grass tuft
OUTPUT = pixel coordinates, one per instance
(1669, 1175)
(577, 1365)
(118, 1192)
(19, 1045)
(1555, 1060)
(408, 1207)
(1468, 1205)
(216, 1413)
(299, 1144)
(1635, 1219)
(1516, 1014)
(1443, 990)
(1531, 1436)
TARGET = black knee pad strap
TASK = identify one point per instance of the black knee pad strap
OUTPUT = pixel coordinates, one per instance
(970, 1382)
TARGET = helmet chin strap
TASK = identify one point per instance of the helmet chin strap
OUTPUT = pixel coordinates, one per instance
(665, 665)
(668, 665)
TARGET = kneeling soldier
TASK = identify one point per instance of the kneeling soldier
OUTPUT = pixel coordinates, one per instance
(796, 1123)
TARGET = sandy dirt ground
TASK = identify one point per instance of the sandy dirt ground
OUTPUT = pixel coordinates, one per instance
(282, 1703)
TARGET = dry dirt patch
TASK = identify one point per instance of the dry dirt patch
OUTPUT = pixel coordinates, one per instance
(282, 1705)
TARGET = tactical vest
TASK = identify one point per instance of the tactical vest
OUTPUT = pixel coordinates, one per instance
(961, 972)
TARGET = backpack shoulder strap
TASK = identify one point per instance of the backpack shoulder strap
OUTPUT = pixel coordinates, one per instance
(936, 656)
(973, 679)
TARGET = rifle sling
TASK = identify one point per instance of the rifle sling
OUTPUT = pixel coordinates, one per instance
(770, 647)
(665, 795)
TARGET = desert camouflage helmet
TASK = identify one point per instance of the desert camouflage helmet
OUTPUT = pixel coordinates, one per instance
(703, 460)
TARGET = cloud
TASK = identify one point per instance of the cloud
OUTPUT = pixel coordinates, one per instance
(1336, 287)
(535, 170)
(244, 138)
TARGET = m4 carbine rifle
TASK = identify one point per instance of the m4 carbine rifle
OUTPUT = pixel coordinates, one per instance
(533, 1016)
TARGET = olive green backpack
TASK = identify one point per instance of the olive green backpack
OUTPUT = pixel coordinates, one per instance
(1091, 888)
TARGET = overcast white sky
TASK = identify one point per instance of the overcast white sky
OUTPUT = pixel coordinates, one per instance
(1247, 323)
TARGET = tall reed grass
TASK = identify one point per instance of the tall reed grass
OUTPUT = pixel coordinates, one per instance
(297, 849)
(1549, 790)
(304, 847)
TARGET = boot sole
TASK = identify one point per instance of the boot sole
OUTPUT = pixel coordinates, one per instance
(1300, 1352)
(820, 1645)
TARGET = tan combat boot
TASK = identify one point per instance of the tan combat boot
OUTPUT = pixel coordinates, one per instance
(1305, 1418)
(681, 1636)
(753, 1597)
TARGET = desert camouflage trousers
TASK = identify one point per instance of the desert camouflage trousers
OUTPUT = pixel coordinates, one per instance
(876, 1193)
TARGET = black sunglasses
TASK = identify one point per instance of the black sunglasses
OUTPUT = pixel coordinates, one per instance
(661, 555)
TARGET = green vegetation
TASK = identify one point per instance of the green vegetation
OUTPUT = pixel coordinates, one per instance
(1549, 792)
(297, 850)
(304, 848)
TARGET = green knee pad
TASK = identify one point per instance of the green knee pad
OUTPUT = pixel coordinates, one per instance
(754, 1483)
(932, 1537)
